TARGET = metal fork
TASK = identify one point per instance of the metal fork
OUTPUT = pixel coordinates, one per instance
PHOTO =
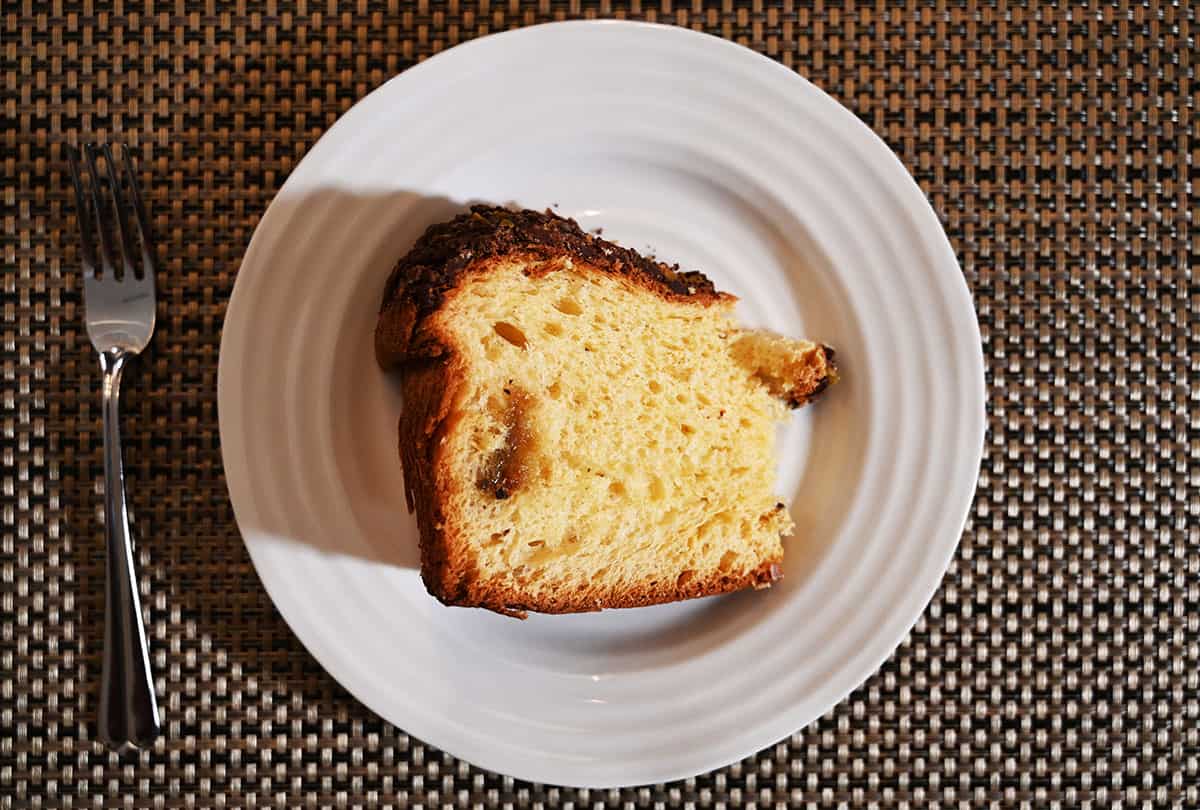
(119, 300)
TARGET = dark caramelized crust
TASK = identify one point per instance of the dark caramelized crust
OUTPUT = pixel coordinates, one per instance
(826, 379)
(447, 251)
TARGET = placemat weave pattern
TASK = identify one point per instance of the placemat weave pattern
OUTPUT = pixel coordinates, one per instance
(1059, 665)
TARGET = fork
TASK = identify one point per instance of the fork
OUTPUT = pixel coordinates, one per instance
(119, 303)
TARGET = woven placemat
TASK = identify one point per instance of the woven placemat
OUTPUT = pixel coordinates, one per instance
(1058, 666)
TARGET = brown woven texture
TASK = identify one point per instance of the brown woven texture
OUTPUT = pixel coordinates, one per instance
(1058, 665)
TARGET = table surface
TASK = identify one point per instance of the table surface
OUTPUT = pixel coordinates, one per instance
(1059, 663)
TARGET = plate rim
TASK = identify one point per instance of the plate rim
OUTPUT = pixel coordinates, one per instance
(925, 219)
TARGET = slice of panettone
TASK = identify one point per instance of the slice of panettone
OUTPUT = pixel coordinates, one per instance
(583, 427)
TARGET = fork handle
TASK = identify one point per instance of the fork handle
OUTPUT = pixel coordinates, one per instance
(128, 709)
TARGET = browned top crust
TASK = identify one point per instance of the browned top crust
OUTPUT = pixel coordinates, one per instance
(448, 250)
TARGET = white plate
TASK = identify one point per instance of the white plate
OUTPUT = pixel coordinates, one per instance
(704, 153)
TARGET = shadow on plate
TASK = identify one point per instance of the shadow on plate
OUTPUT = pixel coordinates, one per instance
(324, 466)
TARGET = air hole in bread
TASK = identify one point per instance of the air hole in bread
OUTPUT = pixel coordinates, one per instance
(510, 333)
(553, 329)
(655, 387)
(657, 490)
(684, 578)
(616, 488)
(568, 306)
(686, 430)
(727, 561)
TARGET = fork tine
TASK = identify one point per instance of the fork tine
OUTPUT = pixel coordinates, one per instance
(87, 256)
(139, 212)
(106, 251)
(118, 199)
